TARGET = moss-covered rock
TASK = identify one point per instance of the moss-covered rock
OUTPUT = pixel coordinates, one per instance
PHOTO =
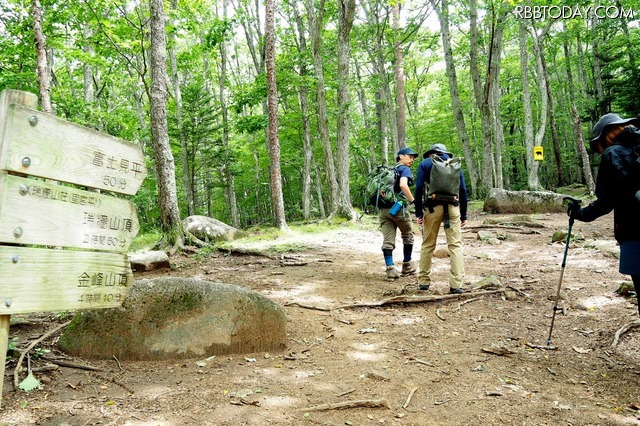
(173, 318)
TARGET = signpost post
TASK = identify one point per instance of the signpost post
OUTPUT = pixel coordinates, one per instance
(91, 230)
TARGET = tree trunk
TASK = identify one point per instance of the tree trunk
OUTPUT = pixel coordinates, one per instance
(315, 32)
(577, 124)
(44, 79)
(184, 151)
(323, 212)
(533, 181)
(87, 47)
(484, 92)
(383, 98)
(165, 167)
(461, 127)
(542, 89)
(399, 73)
(552, 119)
(277, 199)
(494, 67)
(346, 12)
(227, 172)
(362, 97)
(303, 95)
(601, 104)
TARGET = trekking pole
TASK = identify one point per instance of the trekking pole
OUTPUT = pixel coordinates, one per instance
(564, 262)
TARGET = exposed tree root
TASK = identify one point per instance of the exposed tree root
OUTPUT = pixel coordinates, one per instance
(621, 331)
(416, 299)
(18, 369)
(367, 403)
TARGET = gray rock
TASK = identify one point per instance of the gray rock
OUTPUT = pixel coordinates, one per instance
(150, 260)
(503, 201)
(605, 246)
(209, 229)
(175, 318)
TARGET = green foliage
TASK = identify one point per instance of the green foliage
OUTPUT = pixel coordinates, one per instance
(111, 41)
(251, 123)
(219, 31)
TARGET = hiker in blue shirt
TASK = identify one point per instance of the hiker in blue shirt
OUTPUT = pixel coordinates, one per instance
(390, 223)
(431, 213)
(618, 188)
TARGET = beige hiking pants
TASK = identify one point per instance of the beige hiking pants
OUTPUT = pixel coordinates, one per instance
(431, 227)
(390, 224)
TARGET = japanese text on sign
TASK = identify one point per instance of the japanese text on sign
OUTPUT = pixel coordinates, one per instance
(100, 279)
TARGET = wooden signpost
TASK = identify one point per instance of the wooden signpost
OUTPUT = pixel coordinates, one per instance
(86, 230)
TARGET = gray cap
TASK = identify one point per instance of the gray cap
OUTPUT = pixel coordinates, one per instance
(436, 148)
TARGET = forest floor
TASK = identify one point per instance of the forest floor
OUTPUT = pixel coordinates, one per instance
(478, 359)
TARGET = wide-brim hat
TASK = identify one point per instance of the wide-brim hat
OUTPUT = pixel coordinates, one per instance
(607, 120)
(436, 148)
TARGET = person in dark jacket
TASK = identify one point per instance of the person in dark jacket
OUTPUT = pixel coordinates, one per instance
(617, 188)
(430, 214)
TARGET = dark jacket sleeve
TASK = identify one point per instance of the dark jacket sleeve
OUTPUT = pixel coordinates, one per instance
(464, 199)
(605, 192)
(424, 168)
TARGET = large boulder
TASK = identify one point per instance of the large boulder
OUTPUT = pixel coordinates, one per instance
(149, 261)
(177, 318)
(209, 229)
(503, 201)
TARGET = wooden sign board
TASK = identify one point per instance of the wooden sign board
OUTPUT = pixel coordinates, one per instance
(35, 146)
(35, 212)
(40, 280)
(42, 145)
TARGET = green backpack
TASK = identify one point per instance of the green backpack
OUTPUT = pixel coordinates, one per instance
(444, 182)
(379, 192)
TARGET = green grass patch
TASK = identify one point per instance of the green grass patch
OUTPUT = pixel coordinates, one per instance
(145, 242)
(475, 205)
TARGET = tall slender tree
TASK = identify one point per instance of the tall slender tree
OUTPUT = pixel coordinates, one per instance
(346, 11)
(230, 187)
(165, 167)
(399, 75)
(533, 181)
(316, 24)
(277, 199)
(44, 78)
(442, 11)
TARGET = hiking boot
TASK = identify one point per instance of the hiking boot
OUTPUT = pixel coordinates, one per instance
(392, 273)
(424, 287)
(456, 290)
(408, 268)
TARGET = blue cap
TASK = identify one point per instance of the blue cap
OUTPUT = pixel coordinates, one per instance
(407, 151)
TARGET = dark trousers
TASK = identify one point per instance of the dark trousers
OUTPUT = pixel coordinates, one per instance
(636, 284)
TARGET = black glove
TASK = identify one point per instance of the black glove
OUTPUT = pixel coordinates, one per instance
(574, 210)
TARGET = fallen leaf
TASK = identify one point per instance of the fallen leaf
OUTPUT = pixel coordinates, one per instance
(30, 383)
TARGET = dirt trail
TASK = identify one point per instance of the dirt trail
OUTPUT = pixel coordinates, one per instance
(466, 360)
